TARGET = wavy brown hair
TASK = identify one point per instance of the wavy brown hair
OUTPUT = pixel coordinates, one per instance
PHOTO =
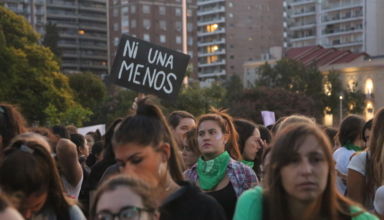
(225, 122)
(26, 167)
(331, 205)
(12, 123)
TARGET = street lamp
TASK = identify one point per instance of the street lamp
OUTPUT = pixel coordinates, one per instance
(184, 21)
(341, 107)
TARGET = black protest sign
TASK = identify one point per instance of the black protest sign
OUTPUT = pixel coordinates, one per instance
(148, 68)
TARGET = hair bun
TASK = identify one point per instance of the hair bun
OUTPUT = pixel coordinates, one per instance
(145, 107)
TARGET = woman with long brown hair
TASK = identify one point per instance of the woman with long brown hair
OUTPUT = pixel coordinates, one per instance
(366, 170)
(300, 182)
(145, 149)
(218, 171)
(29, 176)
(12, 123)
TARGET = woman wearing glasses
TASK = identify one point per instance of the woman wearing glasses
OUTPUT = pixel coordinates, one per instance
(125, 198)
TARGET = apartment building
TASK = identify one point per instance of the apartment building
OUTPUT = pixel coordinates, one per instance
(159, 22)
(232, 32)
(355, 25)
(82, 28)
(33, 10)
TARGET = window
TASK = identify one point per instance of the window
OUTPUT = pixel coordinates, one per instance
(125, 23)
(212, 27)
(115, 12)
(178, 11)
(163, 25)
(369, 86)
(146, 37)
(115, 26)
(189, 13)
(116, 41)
(178, 25)
(146, 9)
(162, 10)
(133, 23)
(124, 10)
(190, 27)
(190, 41)
(178, 39)
(147, 24)
(162, 38)
(133, 9)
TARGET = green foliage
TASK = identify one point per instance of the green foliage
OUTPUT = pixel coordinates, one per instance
(29, 73)
(75, 115)
(89, 89)
(51, 38)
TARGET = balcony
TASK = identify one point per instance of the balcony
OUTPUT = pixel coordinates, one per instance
(335, 32)
(337, 19)
(218, 63)
(211, 74)
(207, 2)
(303, 14)
(210, 11)
(301, 2)
(337, 44)
(213, 42)
(211, 21)
(206, 54)
(341, 5)
(305, 38)
(219, 31)
(299, 26)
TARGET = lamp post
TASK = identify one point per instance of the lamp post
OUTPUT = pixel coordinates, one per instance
(184, 21)
(341, 108)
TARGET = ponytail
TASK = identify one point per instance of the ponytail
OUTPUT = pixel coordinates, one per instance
(148, 126)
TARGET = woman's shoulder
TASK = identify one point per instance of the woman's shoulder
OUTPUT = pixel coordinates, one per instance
(362, 215)
(250, 205)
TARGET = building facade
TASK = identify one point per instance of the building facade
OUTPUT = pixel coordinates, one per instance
(82, 26)
(159, 22)
(233, 32)
(33, 10)
(355, 25)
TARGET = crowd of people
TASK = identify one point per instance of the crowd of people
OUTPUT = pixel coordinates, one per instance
(212, 167)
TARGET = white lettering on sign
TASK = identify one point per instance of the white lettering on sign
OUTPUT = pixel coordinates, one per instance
(131, 48)
(161, 58)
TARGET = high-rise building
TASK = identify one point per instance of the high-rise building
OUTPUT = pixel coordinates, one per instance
(159, 22)
(82, 26)
(355, 25)
(233, 32)
(33, 10)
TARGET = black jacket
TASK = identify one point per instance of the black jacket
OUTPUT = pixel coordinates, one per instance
(189, 203)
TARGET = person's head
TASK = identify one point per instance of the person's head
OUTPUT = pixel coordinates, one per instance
(12, 123)
(81, 145)
(109, 154)
(145, 148)
(7, 211)
(72, 129)
(190, 151)
(331, 134)
(293, 119)
(29, 174)
(350, 130)
(366, 132)
(216, 134)
(375, 169)
(60, 132)
(47, 134)
(96, 154)
(265, 134)
(301, 169)
(124, 196)
(181, 122)
(249, 138)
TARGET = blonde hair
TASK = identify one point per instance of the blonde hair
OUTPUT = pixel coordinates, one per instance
(294, 119)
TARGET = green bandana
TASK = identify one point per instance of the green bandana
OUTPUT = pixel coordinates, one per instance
(211, 172)
(353, 147)
(248, 163)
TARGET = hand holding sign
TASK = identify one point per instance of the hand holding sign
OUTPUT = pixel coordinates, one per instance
(148, 68)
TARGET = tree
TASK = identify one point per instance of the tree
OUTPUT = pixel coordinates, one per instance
(51, 38)
(89, 89)
(29, 73)
(252, 101)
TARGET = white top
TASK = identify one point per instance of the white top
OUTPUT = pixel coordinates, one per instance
(342, 157)
(379, 200)
(358, 163)
(72, 191)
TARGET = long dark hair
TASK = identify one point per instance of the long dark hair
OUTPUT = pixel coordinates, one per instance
(26, 167)
(12, 123)
(375, 158)
(148, 126)
(331, 205)
(350, 129)
(225, 122)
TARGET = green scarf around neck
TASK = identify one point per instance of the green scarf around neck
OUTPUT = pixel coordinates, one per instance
(248, 163)
(353, 147)
(211, 172)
